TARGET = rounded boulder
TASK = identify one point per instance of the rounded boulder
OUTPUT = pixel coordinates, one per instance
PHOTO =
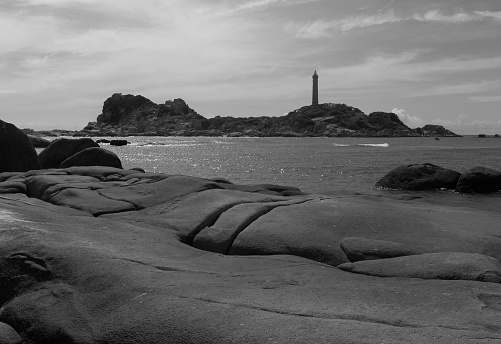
(61, 149)
(479, 179)
(418, 177)
(93, 156)
(8, 335)
(16, 152)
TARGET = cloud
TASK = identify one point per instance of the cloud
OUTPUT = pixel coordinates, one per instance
(436, 16)
(322, 28)
(463, 123)
(490, 14)
(411, 121)
(486, 99)
(464, 88)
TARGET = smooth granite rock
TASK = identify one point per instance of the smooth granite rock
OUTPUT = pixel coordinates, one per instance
(8, 335)
(442, 265)
(479, 179)
(357, 249)
(104, 255)
(419, 177)
(16, 152)
(93, 156)
(61, 149)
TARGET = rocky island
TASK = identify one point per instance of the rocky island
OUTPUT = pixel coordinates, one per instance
(135, 115)
(96, 254)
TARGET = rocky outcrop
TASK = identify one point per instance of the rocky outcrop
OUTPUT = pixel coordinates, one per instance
(479, 179)
(435, 130)
(61, 149)
(106, 255)
(125, 115)
(93, 156)
(419, 177)
(16, 151)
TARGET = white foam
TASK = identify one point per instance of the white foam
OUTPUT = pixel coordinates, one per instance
(374, 144)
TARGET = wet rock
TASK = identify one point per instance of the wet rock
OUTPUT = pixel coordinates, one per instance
(357, 249)
(61, 149)
(479, 179)
(419, 177)
(93, 157)
(442, 265)
(16, 152)
(8, 335)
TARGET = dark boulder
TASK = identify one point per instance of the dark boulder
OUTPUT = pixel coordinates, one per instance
(16, 152)
(419, 177)
(93, 156)
(38, 142)
(479, 179)
(61, 149)
(118, 142)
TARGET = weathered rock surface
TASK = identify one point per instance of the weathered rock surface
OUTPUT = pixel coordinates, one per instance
(104, 255)
(61, 149)
(93, 156)
(16, 151)
(419, 177)
(442, 265)
(479, 179)
(8, 335)
(357, 249)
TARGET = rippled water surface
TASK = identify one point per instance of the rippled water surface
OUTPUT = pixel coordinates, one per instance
(318, 165)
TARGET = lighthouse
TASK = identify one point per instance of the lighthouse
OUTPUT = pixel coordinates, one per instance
(314, 100)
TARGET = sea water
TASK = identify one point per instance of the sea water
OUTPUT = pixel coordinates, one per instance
(315, 165)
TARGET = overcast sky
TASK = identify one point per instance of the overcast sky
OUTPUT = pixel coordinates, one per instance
(430, 61)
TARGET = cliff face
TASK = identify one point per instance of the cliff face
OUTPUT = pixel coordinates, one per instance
(124, 115)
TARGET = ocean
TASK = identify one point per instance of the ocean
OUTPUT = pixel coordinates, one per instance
(315, 165)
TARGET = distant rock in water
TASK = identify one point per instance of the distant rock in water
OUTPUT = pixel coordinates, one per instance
(435, 130)
(125, 115)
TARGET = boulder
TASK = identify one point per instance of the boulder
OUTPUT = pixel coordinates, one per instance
(16, 152)
(357, 249)
(441, 265)
(38, 142)
(61, 149)
(93, 156)
(479, 179)
(118, 142)
(419, 177)
(8, 335)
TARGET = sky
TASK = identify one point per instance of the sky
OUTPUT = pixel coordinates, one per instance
(429, 61)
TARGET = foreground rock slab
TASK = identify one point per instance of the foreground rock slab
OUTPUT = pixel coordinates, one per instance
(72, 272)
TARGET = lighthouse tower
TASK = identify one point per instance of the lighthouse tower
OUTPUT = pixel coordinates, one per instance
(314, 100)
